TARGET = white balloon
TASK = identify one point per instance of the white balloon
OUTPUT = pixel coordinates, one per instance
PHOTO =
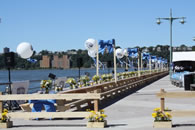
(24, 50)
(119, 53)
(92, 53)
(125, 52)
(153, 60)
(91, 44)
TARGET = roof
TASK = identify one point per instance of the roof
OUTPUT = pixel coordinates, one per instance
(184, 56)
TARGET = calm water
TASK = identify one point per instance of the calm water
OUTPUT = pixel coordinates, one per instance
(19, 75)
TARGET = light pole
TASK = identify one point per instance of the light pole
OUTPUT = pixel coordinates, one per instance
(171, 19)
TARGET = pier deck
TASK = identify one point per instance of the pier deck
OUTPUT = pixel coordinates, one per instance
(131, 112)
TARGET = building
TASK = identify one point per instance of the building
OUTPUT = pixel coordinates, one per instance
(62, 62)
(189, 48)
(59, 63)
(45, 62)
(6, 50)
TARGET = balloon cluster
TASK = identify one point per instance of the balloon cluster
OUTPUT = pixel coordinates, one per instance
(120, 53)
(24, 50)
(92, 46)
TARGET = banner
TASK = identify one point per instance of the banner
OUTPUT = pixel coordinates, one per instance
(159, 60)
(133, 52)
(145, 56)
(105, 45)
(154, 58)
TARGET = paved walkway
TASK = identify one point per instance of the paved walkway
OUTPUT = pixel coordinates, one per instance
(130, 113)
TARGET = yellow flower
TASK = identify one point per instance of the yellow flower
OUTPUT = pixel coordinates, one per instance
(103, 115)
(80, 85)
(88, 110)
(154, 115)
(100, 119)
(93, 112)
(4, 114)
(161, 115)
(156, 109)
(5, 110)
(168, 114)
(102, 110)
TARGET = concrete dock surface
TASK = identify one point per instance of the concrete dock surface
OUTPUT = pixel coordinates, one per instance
(132, 112)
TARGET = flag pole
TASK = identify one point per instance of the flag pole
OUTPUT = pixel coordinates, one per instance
(115, 76)
(150, 65)
(141, 62)
(97, 61)
(138, 66)
(126, 67)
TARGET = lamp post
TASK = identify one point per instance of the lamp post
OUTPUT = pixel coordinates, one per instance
(171, 19)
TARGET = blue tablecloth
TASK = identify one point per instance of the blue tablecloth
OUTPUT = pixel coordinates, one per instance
(39, 104)
(47, 104)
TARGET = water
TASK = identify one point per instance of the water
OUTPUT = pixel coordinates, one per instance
(19, 75)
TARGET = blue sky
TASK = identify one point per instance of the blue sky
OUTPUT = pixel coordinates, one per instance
(60, 25)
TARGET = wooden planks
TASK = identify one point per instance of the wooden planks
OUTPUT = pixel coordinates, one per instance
(183, 113)
(49, 96)
(176, 95)
(27, 115)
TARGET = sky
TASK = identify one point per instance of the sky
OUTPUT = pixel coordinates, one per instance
(61, 25)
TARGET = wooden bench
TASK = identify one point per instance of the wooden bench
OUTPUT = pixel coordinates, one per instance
(176, 113)
(27, 115)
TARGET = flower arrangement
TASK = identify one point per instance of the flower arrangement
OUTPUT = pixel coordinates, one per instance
(96, 116)
(125, 74)
(4, 117)
(132, 73)
(71, 82)
(46, 84)
(119, 75)
(142, 72)
(160, 115)
(109, 77)
(58, 88)
(129, 74)
(80, 85)
(96, 78)
(85, 79)
(104, 77)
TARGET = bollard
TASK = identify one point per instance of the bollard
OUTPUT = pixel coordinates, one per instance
(162, 101)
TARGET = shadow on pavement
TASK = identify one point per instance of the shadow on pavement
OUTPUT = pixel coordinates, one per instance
(52, 125)
(65, 125)
(180, 125)
(115, 125)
